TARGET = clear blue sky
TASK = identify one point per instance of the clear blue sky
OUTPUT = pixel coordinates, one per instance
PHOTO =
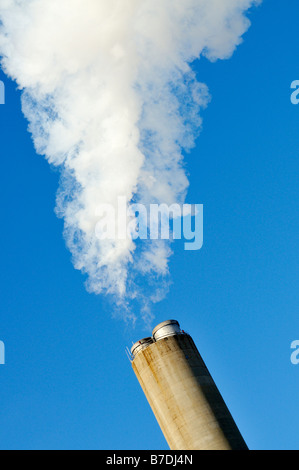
(67, 383)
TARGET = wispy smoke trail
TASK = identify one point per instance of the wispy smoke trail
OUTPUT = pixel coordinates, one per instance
(112, 100)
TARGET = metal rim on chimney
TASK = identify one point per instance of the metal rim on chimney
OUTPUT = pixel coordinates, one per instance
(166, 328)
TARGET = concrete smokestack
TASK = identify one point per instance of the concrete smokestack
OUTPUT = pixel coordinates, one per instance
(181, 392)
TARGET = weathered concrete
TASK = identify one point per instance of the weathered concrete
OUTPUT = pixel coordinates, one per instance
(184, 398)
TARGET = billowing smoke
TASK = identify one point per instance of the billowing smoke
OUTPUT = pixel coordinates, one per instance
(112, 100)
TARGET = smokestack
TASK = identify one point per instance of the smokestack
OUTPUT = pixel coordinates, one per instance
(181, 392)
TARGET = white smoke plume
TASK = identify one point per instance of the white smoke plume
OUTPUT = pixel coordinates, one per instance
(112, 100)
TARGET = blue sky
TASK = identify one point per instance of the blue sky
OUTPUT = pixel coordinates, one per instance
(67, 383)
